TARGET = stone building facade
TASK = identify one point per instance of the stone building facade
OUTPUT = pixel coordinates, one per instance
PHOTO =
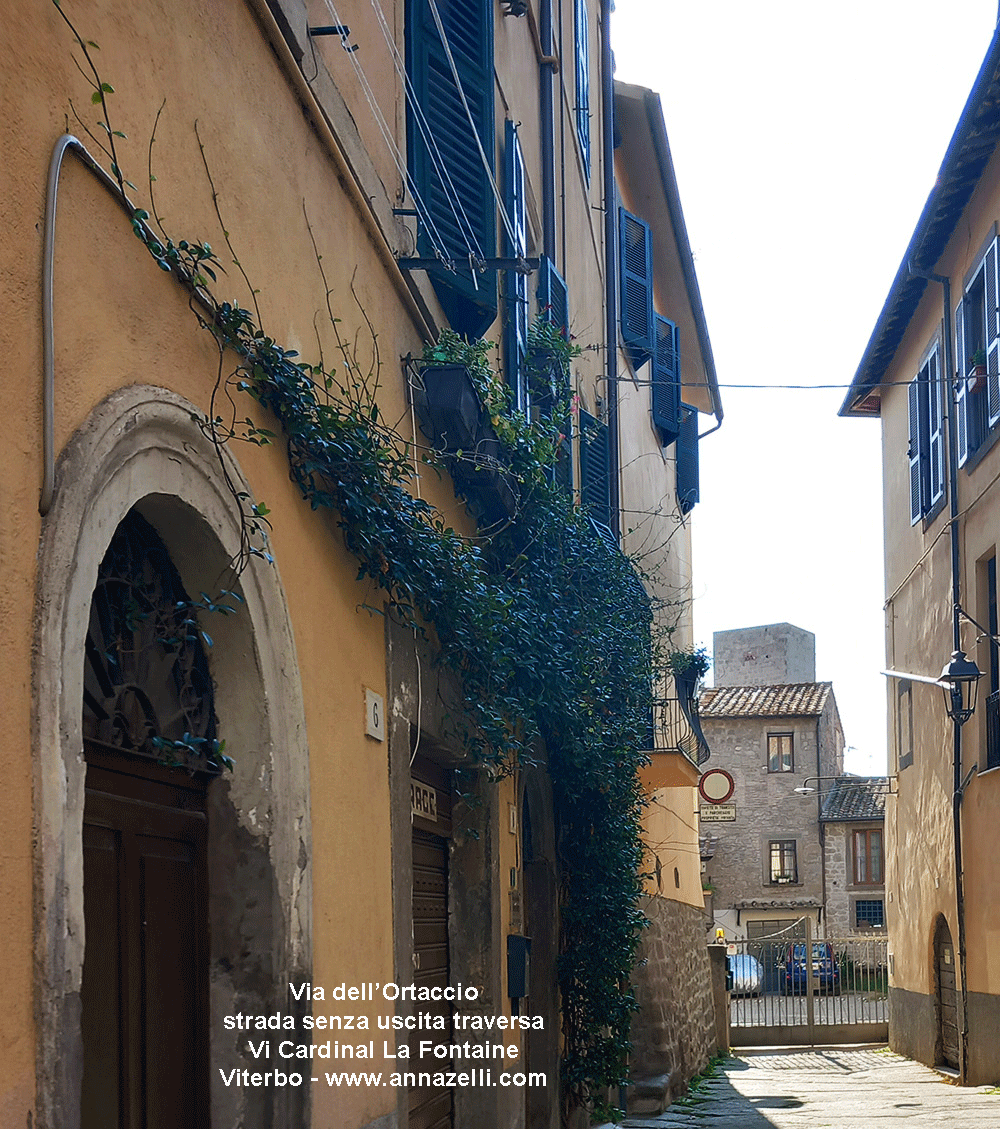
(772, 738)
(852, 825)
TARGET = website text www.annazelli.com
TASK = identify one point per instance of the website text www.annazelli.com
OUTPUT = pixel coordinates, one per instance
(440, 1078)
(480, 1076)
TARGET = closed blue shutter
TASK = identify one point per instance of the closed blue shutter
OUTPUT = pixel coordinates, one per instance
(913, 452)
(666, 382)
(935, 436)
(992, 337)
(516, 284)
(583, 83)
(595, 461)
(553, 297)
(636, 284)
(961, 385)
(448, 173)
(688, 492)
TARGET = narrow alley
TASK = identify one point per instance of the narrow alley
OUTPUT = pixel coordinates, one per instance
(826, 1088)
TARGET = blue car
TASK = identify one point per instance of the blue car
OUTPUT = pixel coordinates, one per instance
(826, 971)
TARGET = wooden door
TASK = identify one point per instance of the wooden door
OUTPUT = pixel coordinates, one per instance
(431, 1106)
(947, 996)
(144, 992)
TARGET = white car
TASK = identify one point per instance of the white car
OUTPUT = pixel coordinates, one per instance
(747, 975)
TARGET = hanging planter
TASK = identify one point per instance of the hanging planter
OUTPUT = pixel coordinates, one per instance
(452, 410)
(977, 371)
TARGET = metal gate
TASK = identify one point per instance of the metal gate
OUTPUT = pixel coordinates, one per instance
(794, 988)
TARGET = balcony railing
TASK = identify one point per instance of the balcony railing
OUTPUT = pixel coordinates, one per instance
(993, 730)
(672, 730)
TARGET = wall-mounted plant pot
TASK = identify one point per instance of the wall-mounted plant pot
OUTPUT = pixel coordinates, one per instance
(977, 378)
(485, 480)
(451, 407)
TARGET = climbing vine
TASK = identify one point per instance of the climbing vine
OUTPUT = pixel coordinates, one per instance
(544, 622)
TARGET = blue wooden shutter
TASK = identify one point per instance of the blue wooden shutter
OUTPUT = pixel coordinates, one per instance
(583, 83)
(666, 382)
(447, 172)
(935, 435)
(636, 285)
(961, 385)
(913, 452)
(516, 284)
(686, 453)
(553, 297)
(991, 299)
(595, 461)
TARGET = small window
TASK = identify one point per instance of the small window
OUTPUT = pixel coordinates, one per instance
(904, 722)
(779, 752)
(869, 913)
(784, 866)
(869, 868)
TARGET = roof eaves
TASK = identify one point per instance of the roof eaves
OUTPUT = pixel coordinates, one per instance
(658, 129)
(971, 147)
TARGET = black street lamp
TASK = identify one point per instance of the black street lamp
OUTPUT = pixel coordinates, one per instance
(960, 683)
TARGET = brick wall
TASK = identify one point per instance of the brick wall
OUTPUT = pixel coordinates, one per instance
(674, 1030)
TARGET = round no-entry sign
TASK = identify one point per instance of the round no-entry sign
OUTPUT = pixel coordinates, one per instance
(716, 786)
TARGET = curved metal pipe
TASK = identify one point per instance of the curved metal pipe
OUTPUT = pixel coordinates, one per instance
(66, 143)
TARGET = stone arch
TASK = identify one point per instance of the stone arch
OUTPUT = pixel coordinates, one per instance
(141, 448)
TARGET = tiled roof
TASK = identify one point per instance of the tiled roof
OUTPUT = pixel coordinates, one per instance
(855, 797)
(796, 699)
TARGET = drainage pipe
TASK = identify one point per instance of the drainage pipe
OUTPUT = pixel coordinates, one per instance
(610, 261)
(546, 129)
(956, 631)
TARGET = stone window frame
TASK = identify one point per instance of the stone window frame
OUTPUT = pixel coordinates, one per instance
(776, 755)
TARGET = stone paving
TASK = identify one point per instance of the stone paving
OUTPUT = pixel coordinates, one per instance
(827, 1088)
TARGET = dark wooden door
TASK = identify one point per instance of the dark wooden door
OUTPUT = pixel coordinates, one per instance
(431, 1106)
(947, 997)
(144, 992)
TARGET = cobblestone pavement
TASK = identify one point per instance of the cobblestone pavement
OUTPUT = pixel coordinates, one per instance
(827, 1088)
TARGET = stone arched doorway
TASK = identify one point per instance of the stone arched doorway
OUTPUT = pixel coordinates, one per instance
(945, 998)
(141, 453)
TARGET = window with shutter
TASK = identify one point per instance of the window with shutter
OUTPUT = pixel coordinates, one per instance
(977, 331)
(636, 285)
(583, 83)
(925, 453)
(666, 381)
(595, 460)
(450, 180)
(553, 297)
(688, 492)
(515, 283)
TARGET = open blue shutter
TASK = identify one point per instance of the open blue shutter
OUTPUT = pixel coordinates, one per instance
(935, 436)
(447, 170)
(961, 386)
(583, 83)
(636, 285)
(553, 297)
(516, 284)
(595, 461)
(992, 336)
(686, 452)
(666, 382)
(913, 453)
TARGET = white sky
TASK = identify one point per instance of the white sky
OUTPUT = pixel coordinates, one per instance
(806, 138)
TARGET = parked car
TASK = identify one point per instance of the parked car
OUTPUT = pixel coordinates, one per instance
(825, 968)
(745, 974)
